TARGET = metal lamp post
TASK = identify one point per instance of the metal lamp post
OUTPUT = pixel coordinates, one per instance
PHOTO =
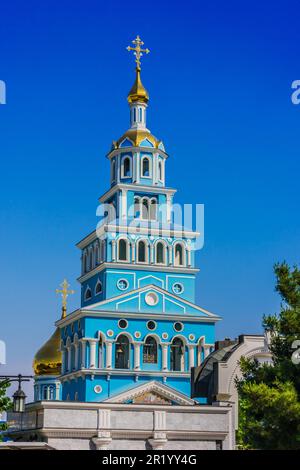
(19, 396)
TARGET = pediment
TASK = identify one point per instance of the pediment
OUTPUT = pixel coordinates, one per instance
(152, 393)
(151, 299)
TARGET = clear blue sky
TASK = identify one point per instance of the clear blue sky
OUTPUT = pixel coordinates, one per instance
(219, 76)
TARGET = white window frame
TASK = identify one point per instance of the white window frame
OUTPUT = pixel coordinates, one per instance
(150, 166)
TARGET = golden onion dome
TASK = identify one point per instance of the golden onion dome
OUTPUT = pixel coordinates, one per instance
(48, 359)
(138, 92)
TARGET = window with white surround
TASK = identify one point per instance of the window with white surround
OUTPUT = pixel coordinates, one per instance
(160, 253)
(179, 254)
(88, 294)
(98, 288)
(150, 351)
(146, 167)
(177, 355)
(160, 171)
(126, 167)
(142, 251)
(113, 170)
(122, 349)
(123, 249)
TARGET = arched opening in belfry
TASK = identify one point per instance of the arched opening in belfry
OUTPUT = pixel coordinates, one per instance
(150, 351)
(177, 355)
(122, 353)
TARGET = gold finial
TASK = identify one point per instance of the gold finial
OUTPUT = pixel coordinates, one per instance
(138, 51)
(64, 293)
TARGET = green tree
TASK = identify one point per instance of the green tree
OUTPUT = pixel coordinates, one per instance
(5, 403)
(269, 394)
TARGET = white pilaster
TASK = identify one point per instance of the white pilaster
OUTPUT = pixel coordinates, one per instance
(83, 353)
(191, 349)
(124, 203)
(108, 354)
(113, 250)
(92, 353)
(165, 348)
(137, 356)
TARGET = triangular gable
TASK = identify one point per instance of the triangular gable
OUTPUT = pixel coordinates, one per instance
(151, 299)
(126, 143)
(146, 143)
(152, 392)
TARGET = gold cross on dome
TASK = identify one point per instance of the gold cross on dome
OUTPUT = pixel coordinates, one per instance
(138, 51)
(64, 293)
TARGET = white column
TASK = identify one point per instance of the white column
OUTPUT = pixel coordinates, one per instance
(113, 250)
(92, 353)
(83, 353)
(151, 253)
(133, 251)
(57, 392)
(169, 206)
(137, 353)
(108, 354)
(189, 257)
(191, 355)
(165, 348)
(170, 248)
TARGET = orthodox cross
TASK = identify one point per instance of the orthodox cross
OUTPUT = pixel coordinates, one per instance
(138, 51)
(64, 293)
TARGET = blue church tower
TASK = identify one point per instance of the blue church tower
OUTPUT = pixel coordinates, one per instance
(138, 331)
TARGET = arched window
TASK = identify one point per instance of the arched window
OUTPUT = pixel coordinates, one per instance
(146, 167)
(98, 288)
(100, 353)
(153, 206)
(76, 396)
(122, 359)
(122, 250)
(160, 171)
(88, 294)
(160, 253)
(150, 351)
(126, 168)
(91, 259)
(177, 355)
(97, 254)
(178, 259)
(102, 254)
(142, 251)
(137, 207)
(145, 209)
(51, 392)
(113, 170)
(141, 114)
(45, 392)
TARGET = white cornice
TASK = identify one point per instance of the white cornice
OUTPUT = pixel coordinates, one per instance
(82, 313)
(107, 372)
(136, 187)
(116, 151)
(136, 267)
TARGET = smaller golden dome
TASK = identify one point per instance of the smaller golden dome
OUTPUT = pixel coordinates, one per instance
(138, 92)
(48, 359)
